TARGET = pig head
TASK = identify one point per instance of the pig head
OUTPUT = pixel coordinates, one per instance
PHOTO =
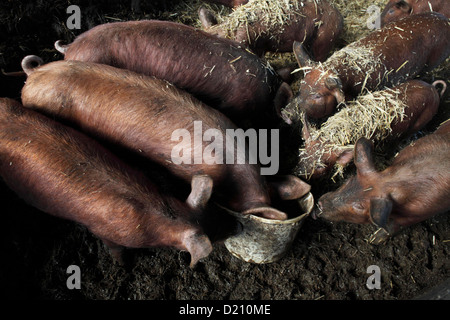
(320, 90)
(319, 156)
(415, 187)
(398, 9)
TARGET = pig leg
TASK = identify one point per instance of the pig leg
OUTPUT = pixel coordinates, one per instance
(115, 250)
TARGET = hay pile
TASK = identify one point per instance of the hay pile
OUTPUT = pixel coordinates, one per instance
(269, 13)
(355, 17)
(358, 59)
(369, 116)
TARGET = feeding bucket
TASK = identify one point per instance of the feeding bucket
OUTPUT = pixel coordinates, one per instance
(264, 240)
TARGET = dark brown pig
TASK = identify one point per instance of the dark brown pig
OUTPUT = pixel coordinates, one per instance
(156, 120)
(67, 174)
(384, 58)
(398, 9)
(382, 116)
(275, 25)
(413, 188)
(217, 71)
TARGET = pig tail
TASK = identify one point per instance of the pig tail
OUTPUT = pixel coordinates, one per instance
(31, 62)
(443, 84)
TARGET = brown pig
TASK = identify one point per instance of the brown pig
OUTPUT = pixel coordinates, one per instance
(413, 188)
(217, 71)
(274, 25)
(64, 173)
(158, 121)
(385, 115)
(398, 9)
(384, 58)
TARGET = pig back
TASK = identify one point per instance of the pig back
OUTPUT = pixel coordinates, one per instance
(394, 53)
(215, 70)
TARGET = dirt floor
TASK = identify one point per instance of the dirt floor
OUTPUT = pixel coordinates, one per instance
(327, 260)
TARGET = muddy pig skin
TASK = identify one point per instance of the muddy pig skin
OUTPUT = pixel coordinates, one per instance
(398, 9)
(64, 173)
(217, 71)
(316, 23)
(141, 114)
(413, 188)
(384, 58)
(419, 99)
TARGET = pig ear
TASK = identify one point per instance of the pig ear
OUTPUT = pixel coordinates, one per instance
(201, 189)
(339, 95)
(207, 17)
(345, 156)
(380, 209)
(306, 129)
(335, 85)
(364, 156)
(303, 58)
(282, 98)
(287, 187)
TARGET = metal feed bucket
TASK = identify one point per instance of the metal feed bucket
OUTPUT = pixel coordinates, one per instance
(263, 240)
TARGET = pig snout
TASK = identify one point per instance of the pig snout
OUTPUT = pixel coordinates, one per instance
(267, 213)
(317, 211)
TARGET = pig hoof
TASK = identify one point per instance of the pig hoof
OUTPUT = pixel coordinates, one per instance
(379, 237)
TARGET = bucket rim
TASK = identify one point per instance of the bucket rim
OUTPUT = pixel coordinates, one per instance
(305, 201)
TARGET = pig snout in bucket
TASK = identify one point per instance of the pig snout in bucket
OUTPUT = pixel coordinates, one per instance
(264, 240)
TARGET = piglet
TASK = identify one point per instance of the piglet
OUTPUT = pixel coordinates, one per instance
(398, 9)
(415, 187)
(64, 173)
(274, 25)
(217, 71)
(394, 114)
(384, 58)
(156, 120)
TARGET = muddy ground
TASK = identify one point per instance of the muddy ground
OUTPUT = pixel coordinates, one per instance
(327, 260)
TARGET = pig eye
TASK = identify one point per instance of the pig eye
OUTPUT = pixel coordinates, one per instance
(315, 96)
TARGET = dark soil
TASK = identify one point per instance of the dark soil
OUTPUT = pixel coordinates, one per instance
(327, 260)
